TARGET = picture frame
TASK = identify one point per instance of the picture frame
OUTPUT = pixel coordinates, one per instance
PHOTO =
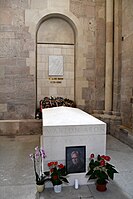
(76, 159)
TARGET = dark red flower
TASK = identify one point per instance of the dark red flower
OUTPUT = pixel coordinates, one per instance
(51, 170)
(92, 155)
(103, 156)
(102, 163)
(49, 164)
(55, 163)
(61, 166)
(52, 163)
(107, 158)
(55, 177)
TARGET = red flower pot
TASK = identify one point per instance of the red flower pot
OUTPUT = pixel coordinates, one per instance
(101, 187)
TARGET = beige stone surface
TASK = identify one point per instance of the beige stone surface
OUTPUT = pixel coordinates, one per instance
(3, 107)
(20, 127)
(41, 4)
(59, 4)
(127, 63)
(5, 16)
(20, 58)
(54, 86)
(57, 31)
(109, 35)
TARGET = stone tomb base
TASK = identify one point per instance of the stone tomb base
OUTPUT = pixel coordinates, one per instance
(65, 127)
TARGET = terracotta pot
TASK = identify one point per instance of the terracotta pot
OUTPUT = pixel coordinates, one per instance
(57, 188)
(40, 188)
(101, 187)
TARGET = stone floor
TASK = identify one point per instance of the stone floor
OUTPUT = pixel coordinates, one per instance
(18, 182)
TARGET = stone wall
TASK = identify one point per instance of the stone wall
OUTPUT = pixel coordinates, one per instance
(120, 120)
(19, 23)
(127, 63)
(92, 15)
(20, 127)
(17, 92)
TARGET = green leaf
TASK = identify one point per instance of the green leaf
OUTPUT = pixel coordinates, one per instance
(98, 157)
(109, 166)
(101, 175)
(37, 177)
(57, 182)
(111, 173)
(64, 179)
(47, 173)
(93, 176)
(97, 163)
(89, 172)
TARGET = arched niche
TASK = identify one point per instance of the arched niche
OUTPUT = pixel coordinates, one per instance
(34, 20)
(55, 52)
(55, 30)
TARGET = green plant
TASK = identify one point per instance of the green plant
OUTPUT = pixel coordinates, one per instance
(57, 173)
(37, 157)
(100, 169)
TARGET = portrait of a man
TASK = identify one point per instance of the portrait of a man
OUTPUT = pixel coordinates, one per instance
(75, 159)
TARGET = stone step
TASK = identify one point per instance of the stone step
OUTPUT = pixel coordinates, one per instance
(20, 127)
(125, 135)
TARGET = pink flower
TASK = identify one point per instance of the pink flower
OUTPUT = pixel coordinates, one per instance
(36, 148)
(43, 155)
(37, 155)
(42, 152)
(31, 156)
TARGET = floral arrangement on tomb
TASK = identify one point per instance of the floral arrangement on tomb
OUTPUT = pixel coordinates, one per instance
(57, 173)
(48, 102)
(100, 169)
(37, 158)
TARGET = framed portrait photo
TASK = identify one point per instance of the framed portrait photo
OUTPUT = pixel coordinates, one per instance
(76, 159)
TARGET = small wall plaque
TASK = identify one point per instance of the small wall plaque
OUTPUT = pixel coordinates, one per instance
(55, 65)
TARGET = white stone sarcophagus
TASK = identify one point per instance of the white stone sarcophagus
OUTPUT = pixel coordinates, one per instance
(66, 127)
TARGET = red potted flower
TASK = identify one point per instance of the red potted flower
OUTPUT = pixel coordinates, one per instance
(57, 175)
(101, 170)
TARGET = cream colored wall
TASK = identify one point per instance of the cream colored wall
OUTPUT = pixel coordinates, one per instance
(55, 37)
(55, 85)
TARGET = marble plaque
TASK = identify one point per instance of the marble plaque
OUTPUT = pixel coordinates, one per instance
(55, 65)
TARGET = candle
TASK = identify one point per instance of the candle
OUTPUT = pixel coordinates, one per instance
(76, 183)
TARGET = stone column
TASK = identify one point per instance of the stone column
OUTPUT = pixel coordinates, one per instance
(131, 100)
(117, 55)
(109, 56)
